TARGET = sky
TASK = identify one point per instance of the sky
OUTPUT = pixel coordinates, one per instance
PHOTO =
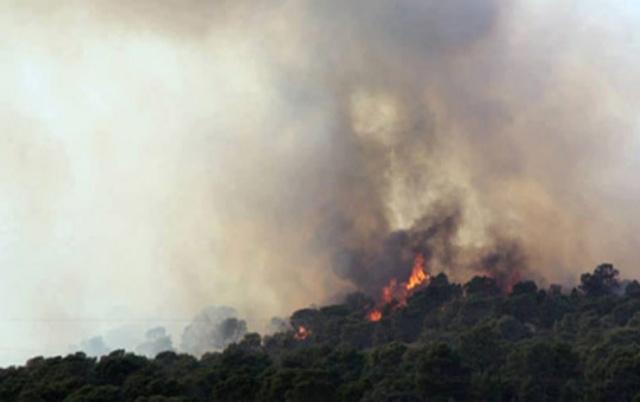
(160, 157)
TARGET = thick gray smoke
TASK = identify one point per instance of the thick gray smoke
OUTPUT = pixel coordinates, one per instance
(177, 154)
(456, 133)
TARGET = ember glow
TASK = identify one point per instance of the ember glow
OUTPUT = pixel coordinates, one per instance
(302, 333)
(389, 291)
(374, 315)
(399, 292)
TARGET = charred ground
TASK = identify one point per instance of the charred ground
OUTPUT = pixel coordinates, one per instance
(461, 342)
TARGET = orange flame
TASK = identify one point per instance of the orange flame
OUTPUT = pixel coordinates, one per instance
(374, 315)
(418, 273)
(302, 333)
(401, 291)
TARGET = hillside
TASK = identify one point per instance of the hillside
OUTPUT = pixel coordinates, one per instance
(447, 342)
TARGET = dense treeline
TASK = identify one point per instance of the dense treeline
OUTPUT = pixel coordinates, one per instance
(451, 342)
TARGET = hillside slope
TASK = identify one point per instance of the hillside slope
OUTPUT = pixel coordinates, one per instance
(450, 342)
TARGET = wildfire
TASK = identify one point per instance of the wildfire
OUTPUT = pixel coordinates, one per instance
(301, 333)
(374, 315)
(401, 291)
(389, 290)
(418, 273)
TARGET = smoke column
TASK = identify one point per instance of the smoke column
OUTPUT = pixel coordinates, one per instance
(161, 156)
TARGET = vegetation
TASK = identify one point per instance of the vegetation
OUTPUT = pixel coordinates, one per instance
(451, 342)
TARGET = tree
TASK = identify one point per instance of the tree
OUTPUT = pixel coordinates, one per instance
(96, 393)
(311, 386)
(523, 288)
(530, 345)
(603, 281)
(633, 289)
(482, 285)
(539, 370)
(117, 366)
(441, 376)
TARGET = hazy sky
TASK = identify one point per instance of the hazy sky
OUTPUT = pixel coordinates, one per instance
(161, 156)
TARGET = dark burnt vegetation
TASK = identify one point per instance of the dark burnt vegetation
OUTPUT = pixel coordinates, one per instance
(451, 342)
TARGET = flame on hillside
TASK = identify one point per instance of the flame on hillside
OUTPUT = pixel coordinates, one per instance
(399, 292)
(374, 315)
(302, 333)
(418, 273)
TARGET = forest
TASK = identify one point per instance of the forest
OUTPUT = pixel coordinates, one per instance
(447, 342)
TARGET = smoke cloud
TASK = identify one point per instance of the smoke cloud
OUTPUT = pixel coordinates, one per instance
(161, 156)
(213, 329)
(156, 341)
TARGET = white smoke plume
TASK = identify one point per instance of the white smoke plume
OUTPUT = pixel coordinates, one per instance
(161, 156)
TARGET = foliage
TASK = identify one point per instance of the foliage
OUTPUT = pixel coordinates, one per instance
(450, 342)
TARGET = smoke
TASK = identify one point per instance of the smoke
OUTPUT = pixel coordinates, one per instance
(94, 347)
(177, 154)
(213, 329)
(427, 111)
(157, 341)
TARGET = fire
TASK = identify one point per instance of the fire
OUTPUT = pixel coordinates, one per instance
(418, 273)
(401, 291)
(374, 315)
(389, 290)
(302, 333)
